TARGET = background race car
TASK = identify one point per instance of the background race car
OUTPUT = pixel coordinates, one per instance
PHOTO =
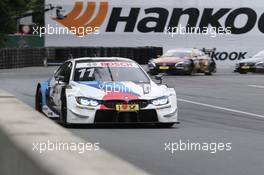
(182, 61)
(254, 64)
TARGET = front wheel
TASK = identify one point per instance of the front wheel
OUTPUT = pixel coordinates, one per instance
(38, 100)
(242, 72)
(63, 114)
(192, 69)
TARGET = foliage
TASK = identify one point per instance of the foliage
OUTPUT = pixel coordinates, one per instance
(10, 10)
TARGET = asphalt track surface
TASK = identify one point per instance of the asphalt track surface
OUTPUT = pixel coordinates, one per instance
(225, 107)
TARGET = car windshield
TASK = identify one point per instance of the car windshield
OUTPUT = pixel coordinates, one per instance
(177, 54)
(109, 71)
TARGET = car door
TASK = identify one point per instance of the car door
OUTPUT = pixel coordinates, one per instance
(60, 79)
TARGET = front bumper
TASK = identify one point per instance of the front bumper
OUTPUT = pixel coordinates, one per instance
(245, 67)
(150, 114)
(241, 69)
(170, 68)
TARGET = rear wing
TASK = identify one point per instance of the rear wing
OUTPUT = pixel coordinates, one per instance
(208, 51)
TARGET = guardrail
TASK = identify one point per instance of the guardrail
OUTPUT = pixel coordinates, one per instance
(27, 57)
(21, 128)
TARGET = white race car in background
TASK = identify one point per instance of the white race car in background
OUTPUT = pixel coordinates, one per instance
(254, 64)
(106, 91)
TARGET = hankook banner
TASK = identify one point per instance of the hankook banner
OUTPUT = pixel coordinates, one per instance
(235, 28)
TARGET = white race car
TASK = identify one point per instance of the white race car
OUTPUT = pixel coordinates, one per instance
(102, 90)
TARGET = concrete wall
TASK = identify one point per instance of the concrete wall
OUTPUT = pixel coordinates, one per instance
(21, 126)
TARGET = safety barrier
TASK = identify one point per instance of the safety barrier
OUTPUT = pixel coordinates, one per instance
(27, 57)
(22, 129)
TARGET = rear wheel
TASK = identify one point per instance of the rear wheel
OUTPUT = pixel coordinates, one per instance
(242, 72)
(208, 73)
(211, 69)
(38, 100)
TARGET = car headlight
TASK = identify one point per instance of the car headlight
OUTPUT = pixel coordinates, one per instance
(87, 101)
(160, 101)
(183, 62)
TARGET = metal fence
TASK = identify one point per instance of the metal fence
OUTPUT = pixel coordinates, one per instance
(27, 57)
(15, 58)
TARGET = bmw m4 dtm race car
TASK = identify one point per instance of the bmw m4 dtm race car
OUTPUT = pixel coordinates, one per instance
(105, 91)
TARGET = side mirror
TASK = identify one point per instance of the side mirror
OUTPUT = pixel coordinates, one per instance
(159, 77)
(60, 78)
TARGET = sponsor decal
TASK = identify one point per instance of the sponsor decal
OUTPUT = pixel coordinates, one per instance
(196, 18)
(160, 19)
(224, 55)
(110, 87)
(73, 22)
(107, 64)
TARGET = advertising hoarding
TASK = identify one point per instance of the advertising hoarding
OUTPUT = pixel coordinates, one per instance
(235, 29)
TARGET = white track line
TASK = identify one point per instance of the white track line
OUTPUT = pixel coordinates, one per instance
(256, 86)
(221, 108)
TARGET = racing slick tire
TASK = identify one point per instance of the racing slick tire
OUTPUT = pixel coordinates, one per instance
(38, 100)
(192, 70)
(208, 73)
(211, 69)
(242, 72)
(63, 113)
(164, 125)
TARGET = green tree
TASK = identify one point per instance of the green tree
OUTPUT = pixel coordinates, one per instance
(10, 10)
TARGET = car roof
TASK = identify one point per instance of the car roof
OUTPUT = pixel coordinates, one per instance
(260, 53)
(102, 59)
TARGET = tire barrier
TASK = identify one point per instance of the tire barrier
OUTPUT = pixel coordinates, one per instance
(28, 57)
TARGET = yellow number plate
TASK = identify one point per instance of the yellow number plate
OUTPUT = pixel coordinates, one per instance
(164, 67)
(127, 107)
(245, 67)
